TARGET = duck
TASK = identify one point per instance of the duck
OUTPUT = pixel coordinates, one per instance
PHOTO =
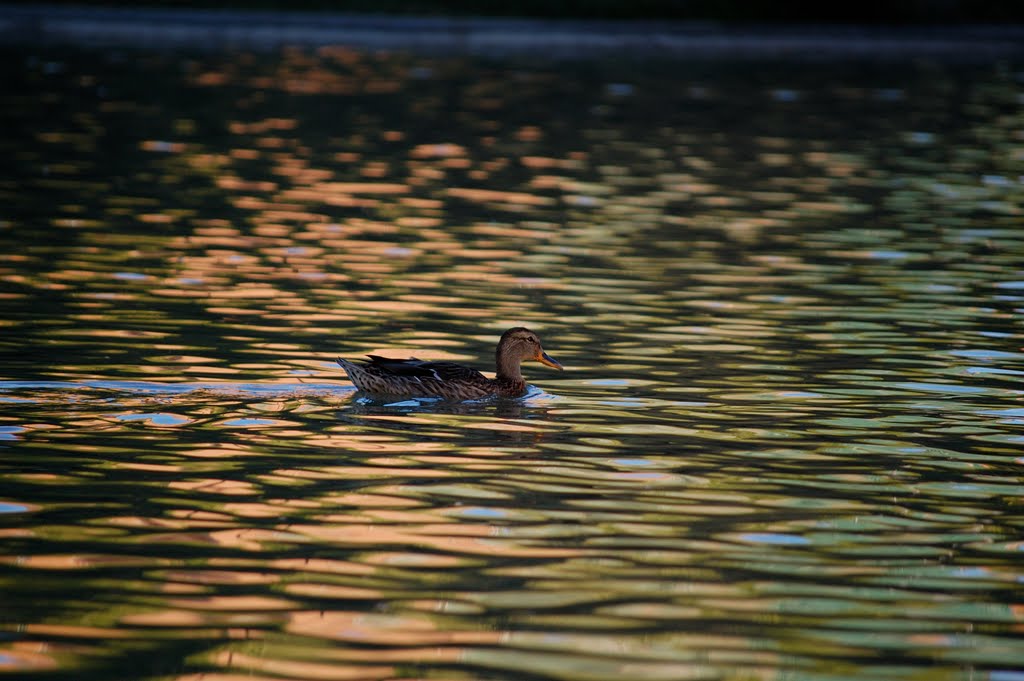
(449, 380)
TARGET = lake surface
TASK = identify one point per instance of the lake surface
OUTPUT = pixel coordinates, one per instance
(788, 442)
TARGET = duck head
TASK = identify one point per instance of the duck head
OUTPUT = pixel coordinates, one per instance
(519, 345)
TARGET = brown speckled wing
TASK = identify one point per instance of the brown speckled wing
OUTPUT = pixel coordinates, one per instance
(416, 378)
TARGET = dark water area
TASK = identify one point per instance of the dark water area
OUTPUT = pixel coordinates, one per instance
(788, 442)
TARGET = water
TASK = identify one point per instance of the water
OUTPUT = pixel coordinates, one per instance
(787, 445)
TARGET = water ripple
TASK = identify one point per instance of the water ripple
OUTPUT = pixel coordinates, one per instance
(786, 443)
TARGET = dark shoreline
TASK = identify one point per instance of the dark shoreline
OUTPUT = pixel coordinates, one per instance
(494, 37)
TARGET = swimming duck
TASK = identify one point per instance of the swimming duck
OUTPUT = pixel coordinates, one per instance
(417, 378)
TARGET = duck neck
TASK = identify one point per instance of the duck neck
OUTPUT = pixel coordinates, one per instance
(508, 369)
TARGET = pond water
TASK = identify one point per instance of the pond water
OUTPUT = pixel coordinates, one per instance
(788, 442)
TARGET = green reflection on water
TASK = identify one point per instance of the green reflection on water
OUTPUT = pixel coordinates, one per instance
(786, 445)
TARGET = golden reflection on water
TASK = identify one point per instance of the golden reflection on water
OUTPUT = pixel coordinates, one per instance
(787, 442)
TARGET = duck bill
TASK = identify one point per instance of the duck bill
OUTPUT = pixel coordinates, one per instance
(545, 358)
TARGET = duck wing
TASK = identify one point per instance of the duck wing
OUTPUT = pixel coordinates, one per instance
(412, 367)
(415, 378)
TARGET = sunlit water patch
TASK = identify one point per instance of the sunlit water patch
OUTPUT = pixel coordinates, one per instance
(787, 442)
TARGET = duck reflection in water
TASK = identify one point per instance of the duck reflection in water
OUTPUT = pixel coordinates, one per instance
(448, 380)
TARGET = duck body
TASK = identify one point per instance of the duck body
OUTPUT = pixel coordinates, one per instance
(417, 378)
(448, 380)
